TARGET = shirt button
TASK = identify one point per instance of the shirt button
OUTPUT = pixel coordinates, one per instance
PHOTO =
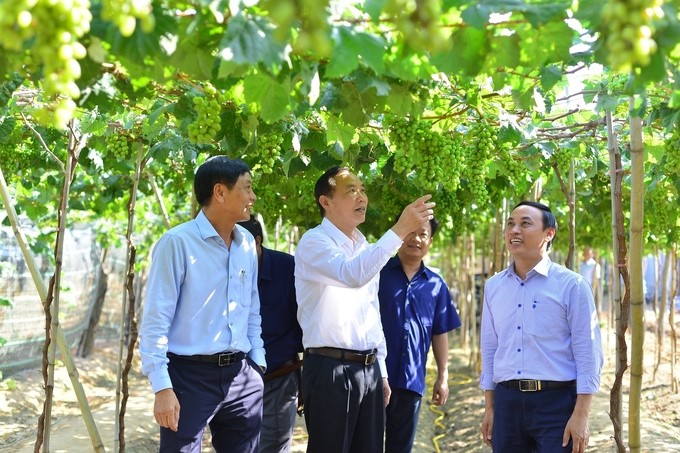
(519, 372)
(519, 327)
(519, 305)
(519, 350)
(521, 284)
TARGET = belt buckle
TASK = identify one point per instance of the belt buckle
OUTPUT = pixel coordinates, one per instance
(229, 359)
(370, 358)
(529, 385)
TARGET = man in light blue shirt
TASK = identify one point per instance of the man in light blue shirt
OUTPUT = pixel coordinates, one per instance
(540, 345)
(200, 337)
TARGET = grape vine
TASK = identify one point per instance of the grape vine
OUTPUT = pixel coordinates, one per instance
(629, 31)
(313, 35)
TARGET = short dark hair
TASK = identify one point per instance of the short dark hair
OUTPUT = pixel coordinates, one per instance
(325, 185)
(253, 226)
(434, 226)
(217, 169)
(549, 220)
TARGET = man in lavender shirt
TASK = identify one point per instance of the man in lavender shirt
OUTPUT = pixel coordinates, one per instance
(540, 342)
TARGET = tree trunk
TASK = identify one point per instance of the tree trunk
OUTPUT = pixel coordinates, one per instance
(637, 300)
(619, 272)
(98, 294)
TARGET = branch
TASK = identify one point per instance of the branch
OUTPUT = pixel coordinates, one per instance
(44, 145)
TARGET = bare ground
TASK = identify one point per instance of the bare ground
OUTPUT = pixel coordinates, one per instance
(452, 428)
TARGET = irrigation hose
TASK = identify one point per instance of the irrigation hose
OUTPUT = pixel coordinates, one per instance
(454, 379)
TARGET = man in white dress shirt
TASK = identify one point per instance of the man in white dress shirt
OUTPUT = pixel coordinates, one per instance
(344, 379)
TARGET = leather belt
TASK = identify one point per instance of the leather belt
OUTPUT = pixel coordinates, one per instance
(286, 368)
(366, 357)
(533, 385)
(219, 359)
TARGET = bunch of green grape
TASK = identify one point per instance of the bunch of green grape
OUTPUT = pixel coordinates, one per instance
(402, 134)
(661, 209)
(206, 125)
(481, 142)
(313, 35)
(672, 152)
(509, 165)
(418, 22)
(267, 151)
(54, 27)
(629, 31)
(433, 157)
(124, 14)
(562, 158)
(117, 145)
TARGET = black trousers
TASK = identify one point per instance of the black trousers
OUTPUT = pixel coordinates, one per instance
(402, 421)
(344, 406)
(228, 399)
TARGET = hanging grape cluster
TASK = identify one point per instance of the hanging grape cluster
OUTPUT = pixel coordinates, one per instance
(206, 125)
(418, 21)
(562, 158)
(117, 145)
(435, 158)
(55, 27)
(267, 151)
(672, 152)
(124, 14)
(481, 142)
(510, 166)
(661, 210)
(313, 34)
(629, 31)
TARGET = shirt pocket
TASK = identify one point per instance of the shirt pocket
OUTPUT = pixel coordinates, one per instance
(544, 318)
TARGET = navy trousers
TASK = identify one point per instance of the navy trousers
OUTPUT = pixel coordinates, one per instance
(344, 406)
(228, 399)
(531, 422)
(279, 411)
(402, 421)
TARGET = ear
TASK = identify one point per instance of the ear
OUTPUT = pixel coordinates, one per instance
(550, 234)
(325, 202)
(218, 191)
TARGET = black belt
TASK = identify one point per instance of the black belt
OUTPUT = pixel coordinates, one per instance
(532, 385)
(366, 357)
(220, 359)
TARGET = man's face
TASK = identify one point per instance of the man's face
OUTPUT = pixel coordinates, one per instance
(417, 244)
(587, 254)
(524, 234)
(239, 200)
(347, 206)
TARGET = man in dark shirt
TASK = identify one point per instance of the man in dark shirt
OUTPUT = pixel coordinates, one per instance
(282, 338)
(416, 310)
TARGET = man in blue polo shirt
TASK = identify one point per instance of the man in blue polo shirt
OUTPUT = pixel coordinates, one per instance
(416, 310)
(282, 338)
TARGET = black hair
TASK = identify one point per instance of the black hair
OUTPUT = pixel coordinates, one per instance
(325, 185)
(549, 220)
(217, 169)
(434, 226)
(253, 226)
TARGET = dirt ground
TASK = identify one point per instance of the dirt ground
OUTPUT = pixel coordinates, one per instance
(453, 428)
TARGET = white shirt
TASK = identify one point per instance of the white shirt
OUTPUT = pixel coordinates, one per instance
(336, 281)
